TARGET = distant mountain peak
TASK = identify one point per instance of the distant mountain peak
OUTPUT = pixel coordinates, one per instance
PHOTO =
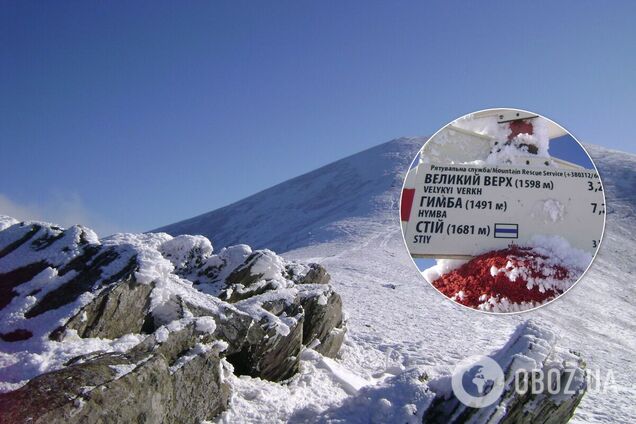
(307, 209)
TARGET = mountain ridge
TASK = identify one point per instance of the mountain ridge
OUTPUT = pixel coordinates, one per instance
(318, 198)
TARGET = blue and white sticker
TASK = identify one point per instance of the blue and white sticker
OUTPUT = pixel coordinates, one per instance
(509, 231)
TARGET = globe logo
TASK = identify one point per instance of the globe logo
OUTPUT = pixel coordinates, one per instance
(477, 381)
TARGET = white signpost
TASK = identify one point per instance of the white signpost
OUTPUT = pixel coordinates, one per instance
(464, 210)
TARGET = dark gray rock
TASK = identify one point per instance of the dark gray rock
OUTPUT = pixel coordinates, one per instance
(269, 354)
(317, 274)
(120, 309)
(89, 274)
(256, 347)
(312, 273)
(142, 385)
(324, 321)
(232, 325)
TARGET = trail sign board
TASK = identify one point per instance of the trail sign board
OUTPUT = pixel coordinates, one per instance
(464, 210)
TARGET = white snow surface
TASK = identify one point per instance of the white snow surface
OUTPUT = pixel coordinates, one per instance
(493, 148)
(7, 221)
(486, 125)
(270, 266)
(345, 216)
(182, 250)
(441, 267)
(558, 252)
(24, 255)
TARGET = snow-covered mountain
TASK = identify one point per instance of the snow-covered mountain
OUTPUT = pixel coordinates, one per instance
(345, 217)
(315, 207)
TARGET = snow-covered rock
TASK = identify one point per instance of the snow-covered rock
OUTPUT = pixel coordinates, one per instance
(533, 348)
(139, 385)
(137, 313)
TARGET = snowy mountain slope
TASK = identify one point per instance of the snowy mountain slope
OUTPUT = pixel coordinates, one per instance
(312, 208)
(396, 320)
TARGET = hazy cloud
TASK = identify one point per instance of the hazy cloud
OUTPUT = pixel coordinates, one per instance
(62, 209)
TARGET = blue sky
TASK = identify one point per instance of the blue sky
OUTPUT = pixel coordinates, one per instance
(131, 115)
(565, 147)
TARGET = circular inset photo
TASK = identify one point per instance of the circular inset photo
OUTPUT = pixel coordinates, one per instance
(502, 210)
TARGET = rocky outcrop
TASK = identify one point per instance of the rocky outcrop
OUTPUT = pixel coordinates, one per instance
(118, 310)
(558, 377)
(324, 327)
(179, 379)
(136, 328)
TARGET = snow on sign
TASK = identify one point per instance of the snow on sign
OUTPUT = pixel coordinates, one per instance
(464, 210)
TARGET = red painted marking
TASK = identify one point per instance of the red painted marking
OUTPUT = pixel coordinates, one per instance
(407, 203)
(475, 279)
(520, 127)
